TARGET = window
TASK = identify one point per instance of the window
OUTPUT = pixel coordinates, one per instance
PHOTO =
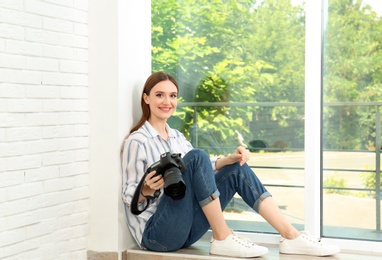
(352, 93)
(241, 70)
(240, 67)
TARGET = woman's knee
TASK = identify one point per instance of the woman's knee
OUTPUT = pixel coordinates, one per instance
(197, 154)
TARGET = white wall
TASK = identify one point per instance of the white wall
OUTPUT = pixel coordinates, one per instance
(120, 61)
(44, 129)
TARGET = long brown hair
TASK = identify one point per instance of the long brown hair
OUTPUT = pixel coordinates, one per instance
(151, 81)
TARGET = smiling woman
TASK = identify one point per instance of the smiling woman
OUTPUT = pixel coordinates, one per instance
(210, 185)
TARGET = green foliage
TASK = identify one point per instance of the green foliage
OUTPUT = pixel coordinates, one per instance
(253, 51)
(353, 73)
(334, 182)
(369, 179)
(230, 51)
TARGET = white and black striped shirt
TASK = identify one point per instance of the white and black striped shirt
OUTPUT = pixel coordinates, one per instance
(140, 150)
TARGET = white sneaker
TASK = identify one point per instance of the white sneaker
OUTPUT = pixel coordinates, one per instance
(305, 244)
(236, 246)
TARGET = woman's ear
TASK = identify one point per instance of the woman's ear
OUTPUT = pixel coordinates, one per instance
(146, 98)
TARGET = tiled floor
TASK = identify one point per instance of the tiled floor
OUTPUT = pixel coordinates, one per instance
(201, 251)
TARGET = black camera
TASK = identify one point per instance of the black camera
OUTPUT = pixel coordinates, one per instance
(171, 166)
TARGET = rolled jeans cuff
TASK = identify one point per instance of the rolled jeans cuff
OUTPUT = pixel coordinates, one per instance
(209, 199)
(260, 199)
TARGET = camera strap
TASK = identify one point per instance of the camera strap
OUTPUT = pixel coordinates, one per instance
(134, 202)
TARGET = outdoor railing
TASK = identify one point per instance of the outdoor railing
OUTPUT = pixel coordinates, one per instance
(377, 151)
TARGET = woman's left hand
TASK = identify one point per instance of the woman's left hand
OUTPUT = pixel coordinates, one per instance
(241, 155)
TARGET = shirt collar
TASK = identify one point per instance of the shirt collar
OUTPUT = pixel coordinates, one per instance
(154, 132)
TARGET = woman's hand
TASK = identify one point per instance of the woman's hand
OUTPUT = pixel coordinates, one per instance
(241, 155)
(152, 183)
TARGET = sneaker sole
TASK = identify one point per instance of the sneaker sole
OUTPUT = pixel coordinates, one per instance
(229, 253)
(308, 252)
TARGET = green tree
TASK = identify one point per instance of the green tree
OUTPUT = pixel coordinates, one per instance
(353, 73)
(230, 51)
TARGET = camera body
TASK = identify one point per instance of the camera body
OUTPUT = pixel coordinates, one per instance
(171, 166)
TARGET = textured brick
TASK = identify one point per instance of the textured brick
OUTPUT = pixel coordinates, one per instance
(72, 40)
(11, 178)
(11, 149)
(12, 4)
(82, 155)
(23, 48)
(21, 18)
(12, 236)
(24, 105)
(81, 4)
(2, 135)
(25, 190)
(58, 25)
(43, 173)
(81, 29)
(58, 131)
(3, 197)
(42, 64)
(74, 168)
(9, 120)
(65, 105)
(2, 45)
(42, 92)
(82, 180)
(11, 31)
(22, 76)
(77, 92)
(55, 158)
(42, 119)
(59, 184)
(42, 146)
(68, 3)
(74, 143)
(73, 66)
(23, 133)
(12, 61)
(42, 36)
(44, 129)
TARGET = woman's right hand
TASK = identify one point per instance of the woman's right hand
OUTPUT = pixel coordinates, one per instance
(152, 183)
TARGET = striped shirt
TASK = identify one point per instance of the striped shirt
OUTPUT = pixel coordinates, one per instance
(140, 150)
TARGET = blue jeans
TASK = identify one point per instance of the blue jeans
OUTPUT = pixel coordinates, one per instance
(180, 223)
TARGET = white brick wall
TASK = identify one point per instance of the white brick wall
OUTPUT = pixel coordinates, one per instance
(44, 129)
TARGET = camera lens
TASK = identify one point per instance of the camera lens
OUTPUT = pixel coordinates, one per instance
(174, 185)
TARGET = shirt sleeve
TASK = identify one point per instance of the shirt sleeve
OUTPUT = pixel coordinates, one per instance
(133, 167)
(213, 163)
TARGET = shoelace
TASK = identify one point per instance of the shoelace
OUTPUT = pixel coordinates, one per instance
(311, 239)
(243, 242)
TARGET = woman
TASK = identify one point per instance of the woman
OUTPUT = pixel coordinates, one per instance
(168, 224)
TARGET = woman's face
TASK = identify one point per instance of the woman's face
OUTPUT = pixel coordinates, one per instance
(162, 100)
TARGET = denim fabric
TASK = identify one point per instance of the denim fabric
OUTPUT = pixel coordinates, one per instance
(180, 223)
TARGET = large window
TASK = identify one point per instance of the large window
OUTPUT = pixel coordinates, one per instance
(352, 93)
(241, 69)
(240, 65)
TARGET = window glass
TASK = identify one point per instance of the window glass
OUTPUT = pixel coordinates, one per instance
(352, 93)
(240, 68)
